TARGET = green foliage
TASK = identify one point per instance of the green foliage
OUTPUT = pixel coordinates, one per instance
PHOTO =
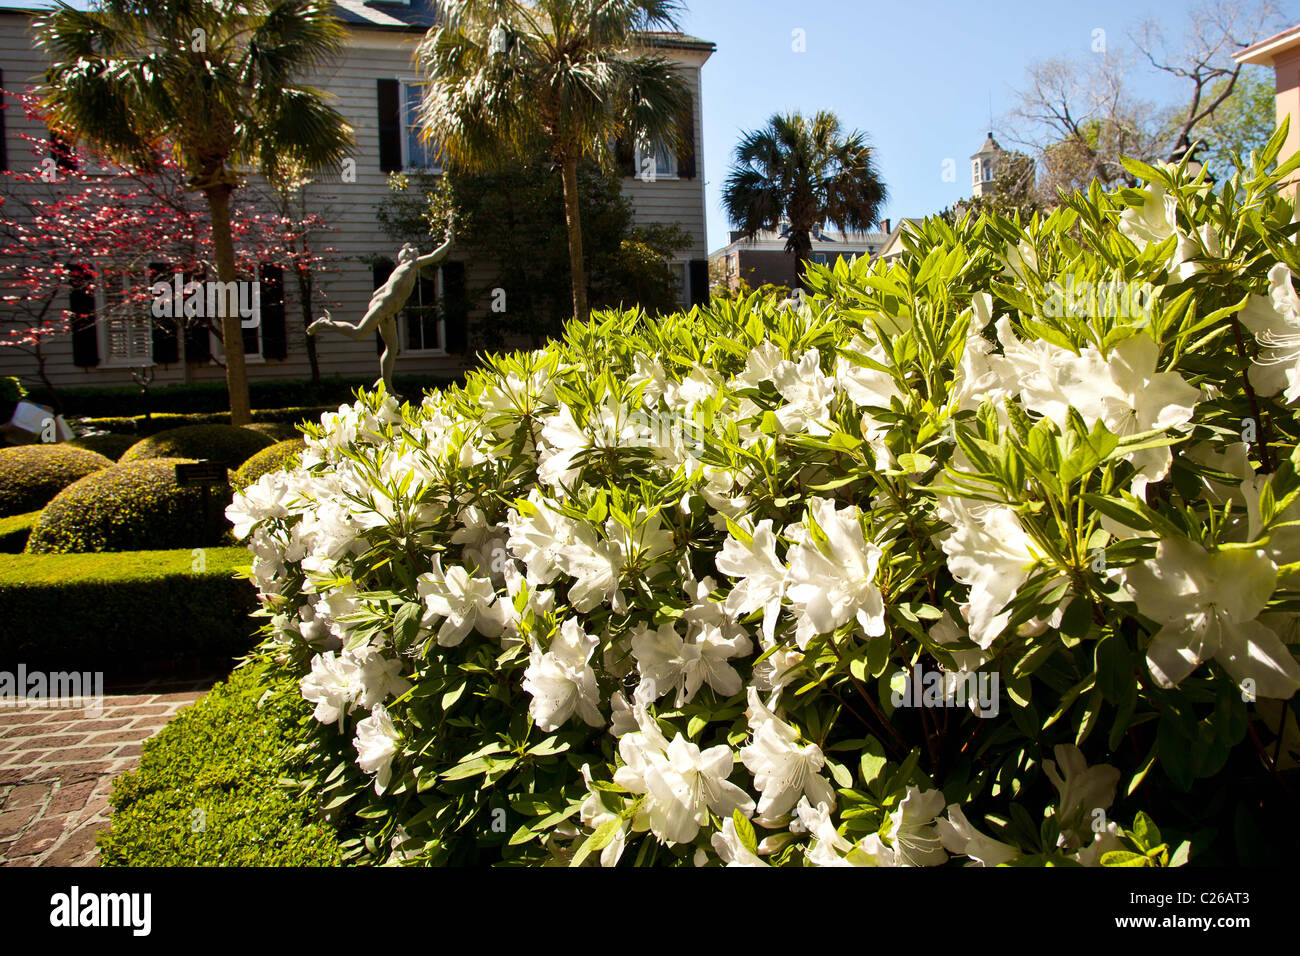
(514, 220)
(14, 531)
(276, 431)
(227, 444)
(11, 389)
(133, 614)
(138, 426)
(1242, 123)
(111, 446)
(274, 458)
(212, 786)
(131, 506)
(31, 475)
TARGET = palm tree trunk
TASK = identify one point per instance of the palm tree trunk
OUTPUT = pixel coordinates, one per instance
(573, 220)
(232, 334)
(802, 244)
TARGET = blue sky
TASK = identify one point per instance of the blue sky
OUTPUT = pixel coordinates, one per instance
(916, 75)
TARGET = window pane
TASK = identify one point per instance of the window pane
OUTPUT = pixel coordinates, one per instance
(417, 156)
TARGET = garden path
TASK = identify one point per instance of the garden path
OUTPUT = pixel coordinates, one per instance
(57, 765)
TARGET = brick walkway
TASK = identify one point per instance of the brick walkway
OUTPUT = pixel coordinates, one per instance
(57, 767)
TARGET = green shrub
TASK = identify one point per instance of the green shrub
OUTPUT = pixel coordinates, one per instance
(140, 426)
(225, 756)
(128, 614)
(107, 444)
(15, 530)
(224, 443)
(31, 475)
(276, 431)
(268, 460)
(131, 506)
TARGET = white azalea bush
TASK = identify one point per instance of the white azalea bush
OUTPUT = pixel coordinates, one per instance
(718, 588)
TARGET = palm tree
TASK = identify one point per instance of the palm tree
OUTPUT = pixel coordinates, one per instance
(214, 81)
(807, 172)
(512, 80)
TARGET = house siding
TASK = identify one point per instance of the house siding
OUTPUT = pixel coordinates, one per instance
(348, 207)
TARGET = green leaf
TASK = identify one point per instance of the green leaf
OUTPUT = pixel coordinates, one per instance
(744, 832)
(601, 838)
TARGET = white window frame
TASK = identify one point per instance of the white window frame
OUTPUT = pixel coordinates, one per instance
(104, 320)
(405, 83)
(642, 153)
(440, 305)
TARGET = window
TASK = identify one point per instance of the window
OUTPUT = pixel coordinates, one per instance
(422, 320)
(975, 170)
(415, 153)
(126, 330)
(988, 170)
(659, 162)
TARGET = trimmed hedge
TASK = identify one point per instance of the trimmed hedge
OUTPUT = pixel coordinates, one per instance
(202, 397)
(110, 446)
(140, 426)
(268, 460)
(126, 614)
(276, 431)
(227, 444)
(129, 507)
(225, 756)
(31, 475)
(15, 530)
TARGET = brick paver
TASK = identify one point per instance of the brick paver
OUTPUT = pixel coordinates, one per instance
(57, 765)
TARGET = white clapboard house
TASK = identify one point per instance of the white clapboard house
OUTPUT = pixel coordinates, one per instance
(376, 88)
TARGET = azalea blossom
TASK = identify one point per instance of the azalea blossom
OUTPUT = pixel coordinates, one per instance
(961, 838)
(1082, 792)
(829, 848)
(561, 680)
(831, 573)
(1275, 322)
(333, 686)
(463, 604)
(913, 833)
(1207, 603)
(761, 575)
(784, 770)
(376, 742)
(685, 666)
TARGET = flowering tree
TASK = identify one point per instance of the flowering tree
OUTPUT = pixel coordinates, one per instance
(76, 222)
(987, 555)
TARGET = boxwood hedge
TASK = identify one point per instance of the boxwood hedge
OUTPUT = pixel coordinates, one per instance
(228, 444)
(211, 787)
(31, 475)
(126, 614)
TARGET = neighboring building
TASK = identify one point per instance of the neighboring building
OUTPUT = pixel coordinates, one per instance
(376, 88)
(764, 259)
(1282, 53)
(983, 166)
(894, 247)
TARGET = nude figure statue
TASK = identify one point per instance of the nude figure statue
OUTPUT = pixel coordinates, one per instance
(388, 300)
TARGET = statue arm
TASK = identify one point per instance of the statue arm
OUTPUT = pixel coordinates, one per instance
(436, 256)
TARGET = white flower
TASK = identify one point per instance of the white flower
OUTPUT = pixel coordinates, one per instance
(988, 550)
(808, 394)
(1082, 790)
(463, 603)
(594, 814)
(539, 534)
(784, 771)
(867, 386)
(733, 852)
(1206, 603)
(268, 497)
(333, 685)
(1154, 220)
(960, 837)
(761, 574)
(686, 665)
(685, 784)
(562, 681)
(832, 573)
(912, 829)
(1275, 321)
(380, 679)
(829, 848)
(376, 742)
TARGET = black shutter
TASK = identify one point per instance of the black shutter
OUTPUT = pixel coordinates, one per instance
(625, 155)
(166, 346)
(686, 168)
(429, 305)
(381, 270)
(699, 279)
(390, 126)
(198, 334)
(274, 344)
(455, 307)
(85, 335)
